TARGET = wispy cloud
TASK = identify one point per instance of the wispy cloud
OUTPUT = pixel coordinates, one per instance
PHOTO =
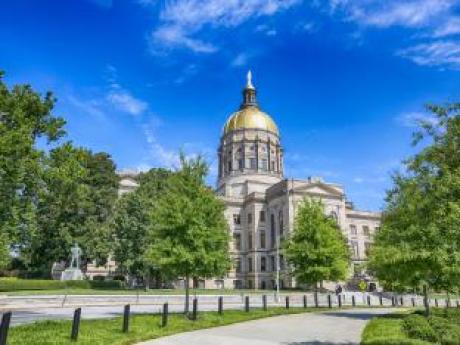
(438, 53)
(120, 97)
(407, 13)
(182, 21)
(433, 19)
(240, 60)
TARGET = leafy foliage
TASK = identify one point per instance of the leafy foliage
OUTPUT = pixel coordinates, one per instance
(317, 249)
(132, 221)
(189, 234)
(49, 200)
(419, 239)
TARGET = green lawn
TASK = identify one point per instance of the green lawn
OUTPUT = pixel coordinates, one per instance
(142, 327)
(411, 328)
(141, 292)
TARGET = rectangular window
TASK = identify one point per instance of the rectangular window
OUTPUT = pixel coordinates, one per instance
(240, 164)
(229, 166)
(262, 239)
(355, 248)
(262, 216)
(353, 230)
(249, 241)
(238, 265)
(273, 263)
(273, 166)
(272, 230)
(366, 231)
(249, 218)
(249, 264)
(264, 164)
(252, 163)
(281, 263)
(367, 247)
(377, 228)
(263, 264)
(236, 219)
(237, 241)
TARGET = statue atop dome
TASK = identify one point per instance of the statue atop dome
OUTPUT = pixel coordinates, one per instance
(249, 81)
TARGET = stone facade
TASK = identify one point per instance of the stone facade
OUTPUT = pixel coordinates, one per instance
(261, 203)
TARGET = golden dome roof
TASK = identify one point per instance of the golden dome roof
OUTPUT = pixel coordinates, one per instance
(250, 117)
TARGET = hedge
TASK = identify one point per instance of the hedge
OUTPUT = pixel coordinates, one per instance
(9, 284)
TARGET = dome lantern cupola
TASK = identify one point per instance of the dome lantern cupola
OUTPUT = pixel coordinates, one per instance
(250, 148)
(249, 93)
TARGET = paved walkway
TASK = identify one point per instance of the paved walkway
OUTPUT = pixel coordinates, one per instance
(340, 327)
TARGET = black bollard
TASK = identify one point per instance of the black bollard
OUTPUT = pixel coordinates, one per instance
(4, 327)
(339, 299)
(436, 302)
(381, 300)
(305, 301)
(264, 302)
(329, 301)
(287, 302)
(220, 305)
(246, 304)
(316, 300)
(195, 309)
(413, 301)
(75, 324)
(353, 301)
(402, 300)
(126, 313)
(164, 315)
(368, 301)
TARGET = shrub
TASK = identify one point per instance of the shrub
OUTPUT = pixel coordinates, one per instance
(35, 284)
(417, 326)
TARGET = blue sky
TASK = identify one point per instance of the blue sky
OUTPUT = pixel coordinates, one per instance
(141, 79)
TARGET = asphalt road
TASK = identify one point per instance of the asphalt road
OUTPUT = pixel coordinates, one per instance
(333, 328)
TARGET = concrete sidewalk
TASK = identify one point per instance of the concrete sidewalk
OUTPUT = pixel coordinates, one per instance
(339, 327)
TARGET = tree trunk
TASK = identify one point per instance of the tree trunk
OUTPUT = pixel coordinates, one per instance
(426, 302)
(187, 295)
(147, 281)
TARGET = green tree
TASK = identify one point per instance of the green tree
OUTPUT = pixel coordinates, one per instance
(132, 220)
(189, 233)
(75, 206)
(25, 116)
(419, 240)
(4, 251)
(316, 249)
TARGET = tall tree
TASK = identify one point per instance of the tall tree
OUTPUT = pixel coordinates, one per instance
(419, 240)
(132, 220)
(74, 207)
(317, 249)
(189, 233)
(25, 116)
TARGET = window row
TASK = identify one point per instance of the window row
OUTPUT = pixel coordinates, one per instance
(365, 230)
(356, 249)
(266, 264)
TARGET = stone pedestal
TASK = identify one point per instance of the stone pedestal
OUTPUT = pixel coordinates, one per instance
(72, 274)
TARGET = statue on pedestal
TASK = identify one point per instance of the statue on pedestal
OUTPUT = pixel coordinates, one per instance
(74, 272)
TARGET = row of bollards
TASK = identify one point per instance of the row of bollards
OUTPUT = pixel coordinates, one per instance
(6, 318)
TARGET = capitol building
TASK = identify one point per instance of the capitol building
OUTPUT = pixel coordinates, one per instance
(261, 202)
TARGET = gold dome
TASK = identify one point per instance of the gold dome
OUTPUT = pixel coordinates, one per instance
(250, 117)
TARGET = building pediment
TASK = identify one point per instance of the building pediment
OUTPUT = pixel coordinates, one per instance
(319, 188)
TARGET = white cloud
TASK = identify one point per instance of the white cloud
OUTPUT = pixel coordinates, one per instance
(407, 13)
(240, 60)
(124, 101)
(183, 20)
(438, 53)
(450, 27)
